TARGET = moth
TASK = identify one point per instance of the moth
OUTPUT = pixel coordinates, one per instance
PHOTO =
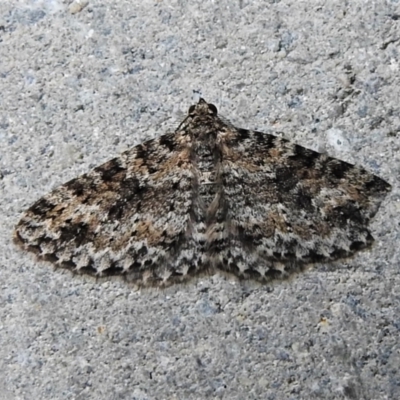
(208, 197)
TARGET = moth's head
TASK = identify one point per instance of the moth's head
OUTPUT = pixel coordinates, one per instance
(202, 108)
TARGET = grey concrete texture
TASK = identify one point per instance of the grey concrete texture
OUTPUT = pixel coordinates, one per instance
(82, 81)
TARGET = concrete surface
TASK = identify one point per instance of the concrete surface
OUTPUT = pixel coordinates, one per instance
(81, 84)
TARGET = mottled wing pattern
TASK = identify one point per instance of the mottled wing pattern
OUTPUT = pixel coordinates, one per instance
(287, 206)
(129, 216)
(208, 196)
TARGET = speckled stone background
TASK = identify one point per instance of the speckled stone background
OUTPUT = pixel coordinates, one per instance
(82, 81)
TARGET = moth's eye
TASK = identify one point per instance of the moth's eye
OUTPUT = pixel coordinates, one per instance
(191, 109)
(213, 109)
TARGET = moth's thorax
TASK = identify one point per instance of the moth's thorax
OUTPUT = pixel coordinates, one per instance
(203, 125)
